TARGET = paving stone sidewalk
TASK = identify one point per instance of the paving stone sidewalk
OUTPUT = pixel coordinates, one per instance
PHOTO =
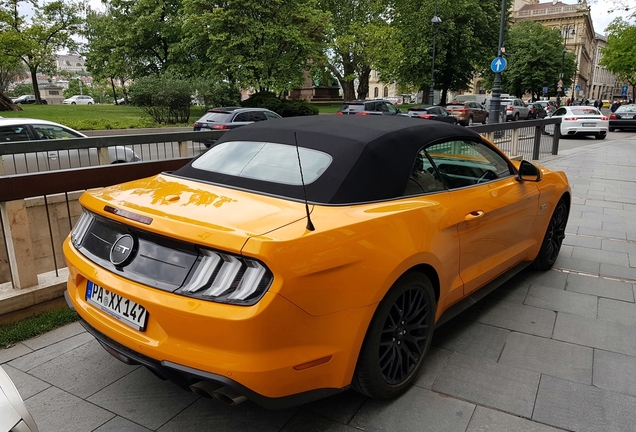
(549, 351)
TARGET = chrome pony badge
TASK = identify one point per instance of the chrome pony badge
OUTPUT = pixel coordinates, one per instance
(122, 249)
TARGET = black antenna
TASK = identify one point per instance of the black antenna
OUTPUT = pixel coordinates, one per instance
(310, 226)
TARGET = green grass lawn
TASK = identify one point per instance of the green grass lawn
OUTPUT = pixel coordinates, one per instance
(37, 325)
(95, 117)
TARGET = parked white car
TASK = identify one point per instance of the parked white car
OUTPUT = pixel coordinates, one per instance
(28, 130)
(581, 120)
(79, 100)
(14, 415)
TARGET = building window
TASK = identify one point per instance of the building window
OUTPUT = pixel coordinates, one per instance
(386, 91)
(54, 93)
(376, 92)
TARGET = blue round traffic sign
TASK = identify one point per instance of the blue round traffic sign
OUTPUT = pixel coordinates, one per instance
(498, 64)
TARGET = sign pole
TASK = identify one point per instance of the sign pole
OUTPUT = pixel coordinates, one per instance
(495, 102)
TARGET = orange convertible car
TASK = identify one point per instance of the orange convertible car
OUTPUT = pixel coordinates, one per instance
(300, 257)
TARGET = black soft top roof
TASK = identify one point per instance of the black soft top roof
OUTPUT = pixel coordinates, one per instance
(372, 156)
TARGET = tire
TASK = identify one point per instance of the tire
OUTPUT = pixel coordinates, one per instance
(90, 103)
(470, 121)
(600, 136)
(73, 103)
(612, 129)
(516, 117)
(391, 355)
(485, 120)
(553, 238)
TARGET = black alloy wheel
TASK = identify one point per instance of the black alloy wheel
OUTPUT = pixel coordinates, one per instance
(554, 236)
(397, 339)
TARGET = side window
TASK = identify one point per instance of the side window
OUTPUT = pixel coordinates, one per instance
(391, 108)
(271, 115)
(423, 179)
(53, 132)
(13, 133)
(242, 117)
(468, 163)
(442, 112)
(382, 107)
(258, 116)
(560, 112)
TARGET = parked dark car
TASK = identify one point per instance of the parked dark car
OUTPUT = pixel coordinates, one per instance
(549, 106)
(623, 118)
(468, 112)
(224, 118)
(368, 107)
(27, 99)
(431, 112)
(537, 111)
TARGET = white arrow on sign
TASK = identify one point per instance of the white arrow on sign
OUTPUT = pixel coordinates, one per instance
(498, 64)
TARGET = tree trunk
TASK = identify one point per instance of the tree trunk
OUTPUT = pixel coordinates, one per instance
(112, 84)
(34, 83)
(7, 105)
(348, 89)
(444, 95)
(363, 82)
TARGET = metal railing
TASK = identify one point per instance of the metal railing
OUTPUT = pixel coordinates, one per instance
(38, 209)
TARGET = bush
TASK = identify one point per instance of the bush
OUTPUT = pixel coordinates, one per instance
(284, 107)
(165, 99)
(217, 94)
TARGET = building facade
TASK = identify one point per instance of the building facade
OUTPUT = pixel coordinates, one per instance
(70, 63)
(573, 21)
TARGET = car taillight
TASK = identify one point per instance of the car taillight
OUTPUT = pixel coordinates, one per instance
(219, 127)
(531, 110)
(613, 116)
(571, 118)
(603, 118)
(339, 113)
(462, 111)
(510, 109)
(426, 116)
(196, 125)
(225, 278)
(362, 113)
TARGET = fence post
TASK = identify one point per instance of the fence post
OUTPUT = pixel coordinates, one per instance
(514, 141)
(17, 236)
(183, 149)
(555, 139)
(103, 156)
(537, 143)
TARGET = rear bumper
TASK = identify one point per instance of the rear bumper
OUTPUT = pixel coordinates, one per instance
(185, 376)
(264, 352)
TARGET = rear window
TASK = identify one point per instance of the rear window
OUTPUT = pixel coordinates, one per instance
(265, 161)
(455, 106)
(585, 111)
(353, 107)
(216, 117)
(626, 108)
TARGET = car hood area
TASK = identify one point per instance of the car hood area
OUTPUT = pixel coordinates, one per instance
(195, 212)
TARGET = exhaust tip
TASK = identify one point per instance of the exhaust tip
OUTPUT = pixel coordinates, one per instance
(205, 389)
(228, 396)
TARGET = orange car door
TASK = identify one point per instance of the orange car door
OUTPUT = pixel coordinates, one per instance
(496, 212)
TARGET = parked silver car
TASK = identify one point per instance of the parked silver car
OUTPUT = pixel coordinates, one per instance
(28, 130)
(515, 109)
(14, 415)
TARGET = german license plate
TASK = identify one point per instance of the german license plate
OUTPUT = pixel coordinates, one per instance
(588, 124)
(121, 308)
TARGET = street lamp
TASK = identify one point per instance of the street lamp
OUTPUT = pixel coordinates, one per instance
(431, 91)
(495, 102)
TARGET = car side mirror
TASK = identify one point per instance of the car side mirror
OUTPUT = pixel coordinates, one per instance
(528, 172)
(399, 110)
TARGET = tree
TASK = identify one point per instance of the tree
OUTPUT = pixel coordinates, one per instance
(359, 34)
(36, 43)
(260, 44)
(466, 42)
(133, 39)
(535, 60)
(10, 69)
(619, 56)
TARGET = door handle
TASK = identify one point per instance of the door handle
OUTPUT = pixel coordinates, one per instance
(474, 215)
